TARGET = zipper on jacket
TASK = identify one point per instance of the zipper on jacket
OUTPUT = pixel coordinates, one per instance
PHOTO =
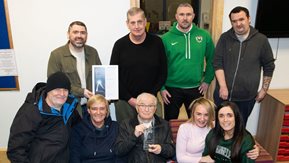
(188, 47)
(235, 74)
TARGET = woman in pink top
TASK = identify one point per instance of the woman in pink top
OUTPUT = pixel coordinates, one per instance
(191, 135)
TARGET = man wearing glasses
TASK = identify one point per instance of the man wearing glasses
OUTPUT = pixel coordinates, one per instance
(146, 137)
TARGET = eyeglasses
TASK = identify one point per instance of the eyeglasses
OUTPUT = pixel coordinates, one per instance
(143, 106)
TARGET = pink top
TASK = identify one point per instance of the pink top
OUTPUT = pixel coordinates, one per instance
(190, 142)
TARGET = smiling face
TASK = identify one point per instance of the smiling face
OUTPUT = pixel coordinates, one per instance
(146, 106)
(227, 120)
(57, 97)
(240, 23)
(201, 116)
(77, 36)
(97, 111)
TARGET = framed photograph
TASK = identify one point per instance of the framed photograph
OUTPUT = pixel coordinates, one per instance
(105, 81)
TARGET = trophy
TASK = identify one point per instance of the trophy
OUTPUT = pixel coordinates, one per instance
(149, 138)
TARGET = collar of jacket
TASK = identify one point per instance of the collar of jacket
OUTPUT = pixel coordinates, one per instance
(66, 110)
(87, 121)
(178, 32)
(253, 32)
(68, 53)
(135, 121)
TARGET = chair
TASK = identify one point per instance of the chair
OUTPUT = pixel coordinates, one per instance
(264, 156)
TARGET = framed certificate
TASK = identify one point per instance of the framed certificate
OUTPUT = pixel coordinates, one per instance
(105, 81)
(8, 81)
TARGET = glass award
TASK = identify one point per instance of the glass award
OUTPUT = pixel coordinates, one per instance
(149, 138)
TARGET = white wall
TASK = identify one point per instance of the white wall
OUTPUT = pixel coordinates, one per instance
(280, 79)
(38, 27)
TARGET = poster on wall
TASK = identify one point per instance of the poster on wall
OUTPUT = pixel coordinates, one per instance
(8, 76)
(105, 81)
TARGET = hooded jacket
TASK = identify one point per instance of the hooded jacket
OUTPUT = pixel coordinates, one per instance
(242, 63)
(89, 144)
(40, 133)
(186, 53)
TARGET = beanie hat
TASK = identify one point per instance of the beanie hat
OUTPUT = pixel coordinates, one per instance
(57, 80)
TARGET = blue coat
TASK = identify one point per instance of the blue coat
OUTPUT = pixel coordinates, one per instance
(91, 145)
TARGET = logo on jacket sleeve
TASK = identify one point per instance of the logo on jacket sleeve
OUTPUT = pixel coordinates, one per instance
(199, 39)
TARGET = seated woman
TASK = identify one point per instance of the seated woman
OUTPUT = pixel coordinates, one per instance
(93, 139)
(191, 136)
(229, 141)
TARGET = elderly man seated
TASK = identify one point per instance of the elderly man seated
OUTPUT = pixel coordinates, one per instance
(146, 137)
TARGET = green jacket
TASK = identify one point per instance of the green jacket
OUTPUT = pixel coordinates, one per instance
(223, 150)
(61, 59)
(186, 53)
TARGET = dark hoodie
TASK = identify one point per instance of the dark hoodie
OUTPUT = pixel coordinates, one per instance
(242, 63)
(38, 132)
(89, 144)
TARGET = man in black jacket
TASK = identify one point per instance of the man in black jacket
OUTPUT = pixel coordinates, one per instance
(41, 128)
(145, 138)
(241, 53)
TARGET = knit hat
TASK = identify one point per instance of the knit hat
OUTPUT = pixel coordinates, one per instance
(57, 80)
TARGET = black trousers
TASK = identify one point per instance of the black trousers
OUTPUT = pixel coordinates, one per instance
(180, 96)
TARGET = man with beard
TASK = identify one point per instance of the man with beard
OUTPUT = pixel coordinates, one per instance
(190, 53)
(75, 59)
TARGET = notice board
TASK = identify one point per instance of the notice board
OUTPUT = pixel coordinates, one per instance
(6, 82)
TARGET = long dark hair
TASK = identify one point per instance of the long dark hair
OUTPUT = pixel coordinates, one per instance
(238, 135)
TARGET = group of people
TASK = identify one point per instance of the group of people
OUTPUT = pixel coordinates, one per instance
(63, 121)
(207, 137)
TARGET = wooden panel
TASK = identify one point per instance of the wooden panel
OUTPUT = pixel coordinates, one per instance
(270, 123)
(281, 95)
(3, 156)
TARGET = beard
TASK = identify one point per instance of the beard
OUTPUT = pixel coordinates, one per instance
(185, 25)
(78, 43)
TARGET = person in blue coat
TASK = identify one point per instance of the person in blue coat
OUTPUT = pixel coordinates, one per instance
(93, 139)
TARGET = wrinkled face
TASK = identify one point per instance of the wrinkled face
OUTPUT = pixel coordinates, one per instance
(77, 36)
(56, 97)
(97, 112)
(185, 17)
(201, 116)
(240, 23)
(227, 119)
(136, 25)
(146, 108)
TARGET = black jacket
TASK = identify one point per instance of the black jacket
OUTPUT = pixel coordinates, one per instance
(127, 144)
(89, 145)
(242, 63)
(38, 133)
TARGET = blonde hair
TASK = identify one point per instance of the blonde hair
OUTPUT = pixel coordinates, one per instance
(208, 104)
(98, 99)
(133, 11)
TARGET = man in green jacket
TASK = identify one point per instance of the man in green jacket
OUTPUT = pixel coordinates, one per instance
(75, 59)
(190, 53)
